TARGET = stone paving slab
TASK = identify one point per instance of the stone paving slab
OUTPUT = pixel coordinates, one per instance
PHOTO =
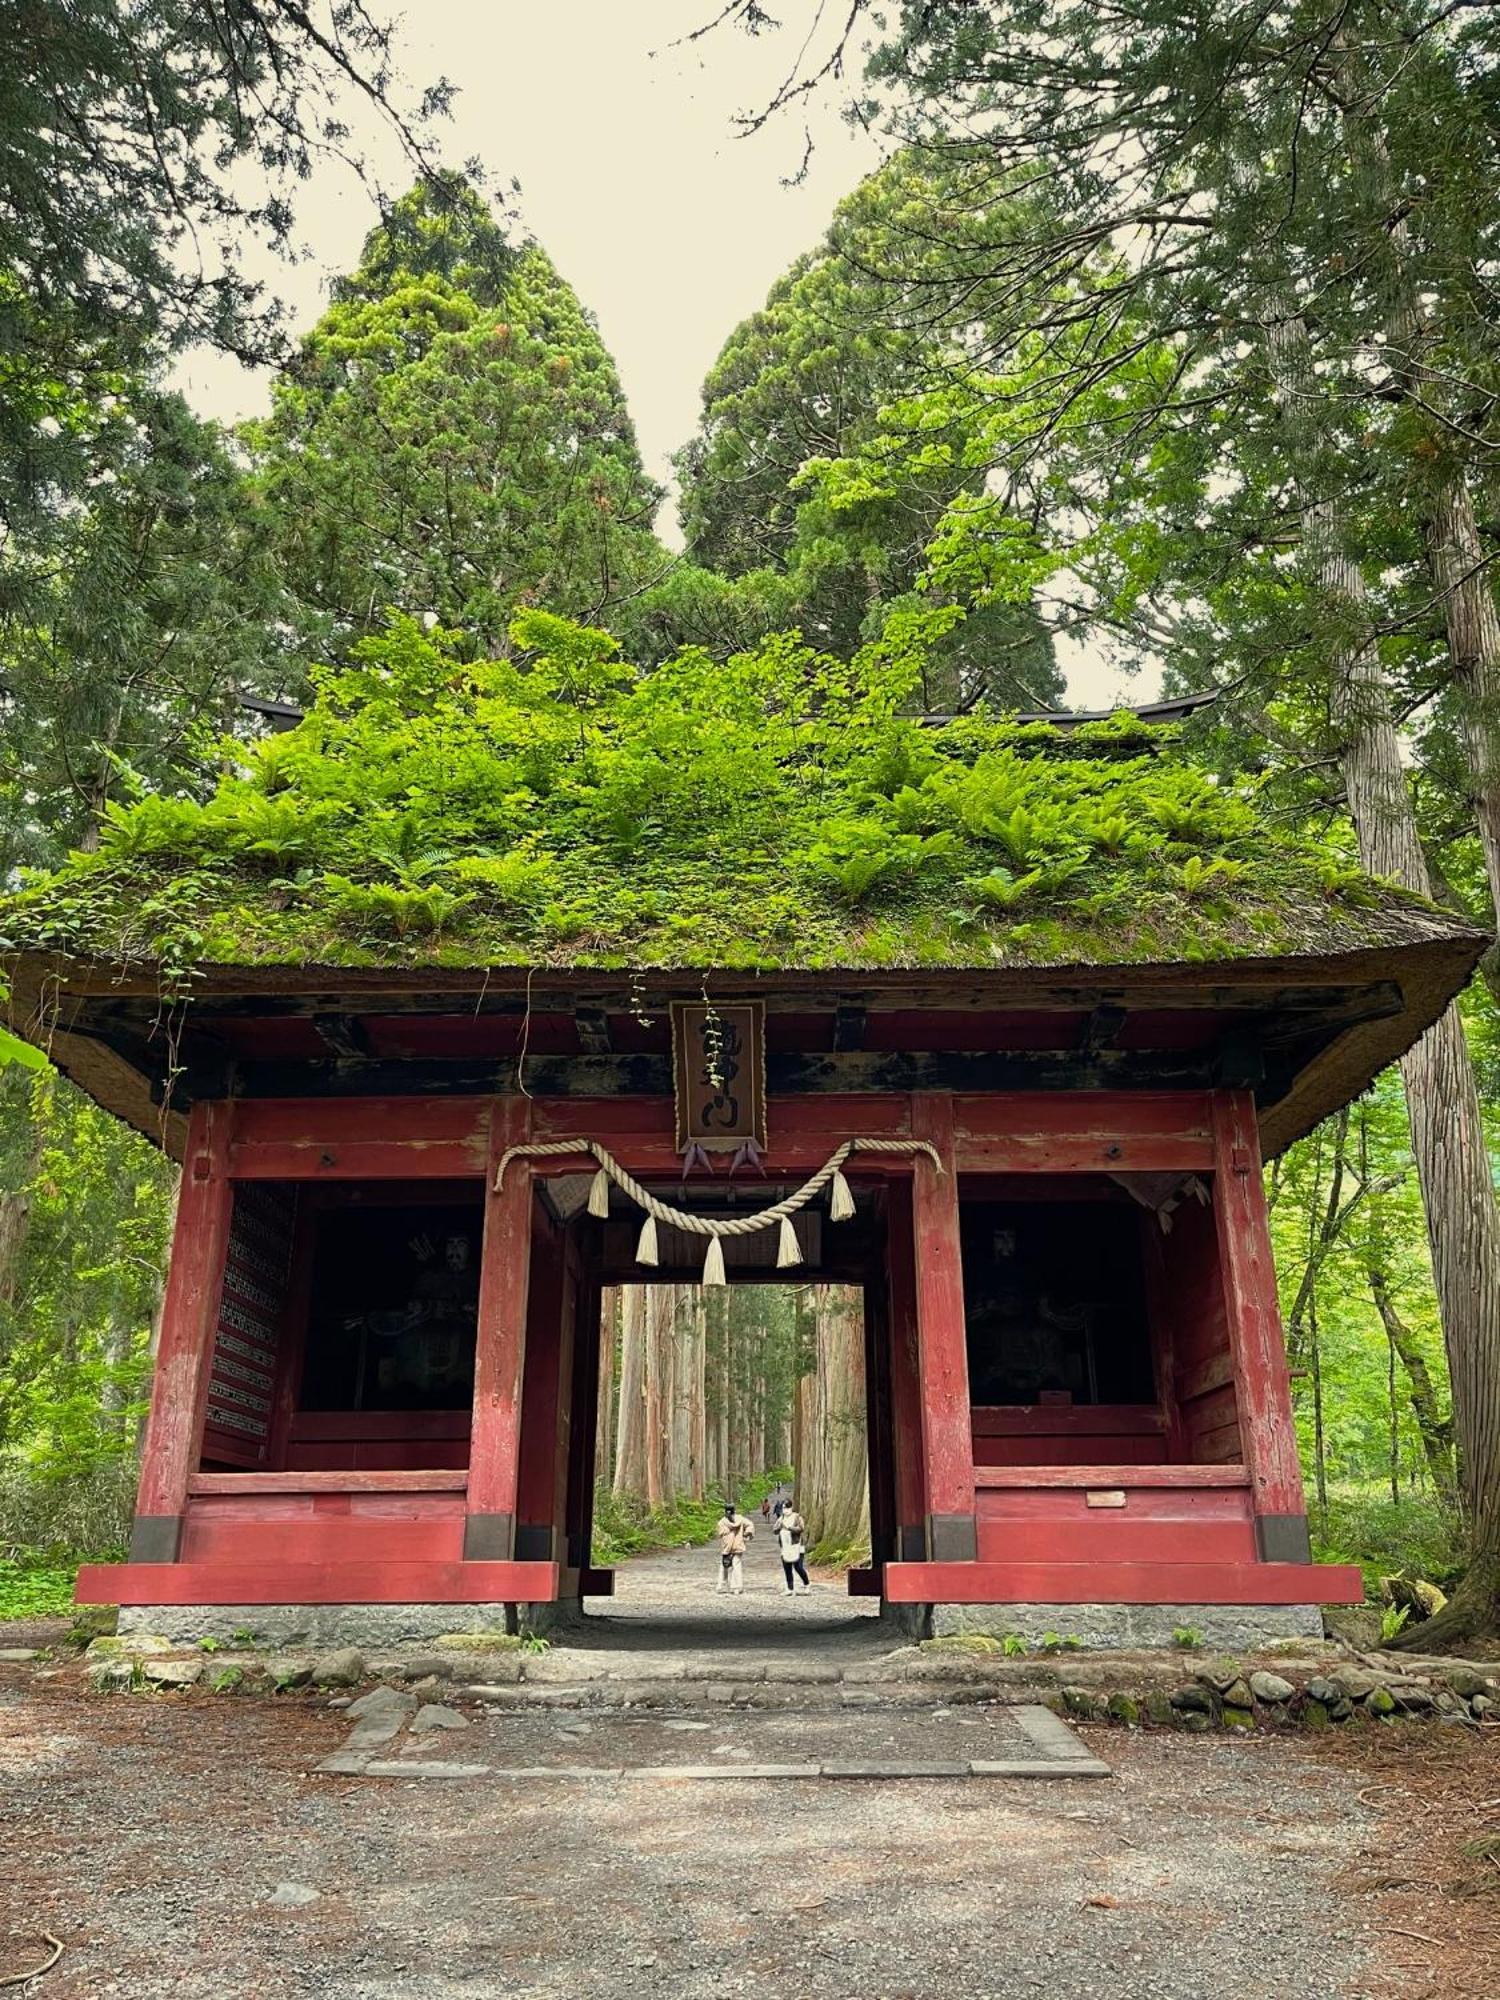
(937, 1743)
(1078, 1767)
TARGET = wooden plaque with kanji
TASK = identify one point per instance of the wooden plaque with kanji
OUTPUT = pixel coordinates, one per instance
(719, 1073)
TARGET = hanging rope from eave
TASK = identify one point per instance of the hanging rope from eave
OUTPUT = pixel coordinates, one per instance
(840, 1207)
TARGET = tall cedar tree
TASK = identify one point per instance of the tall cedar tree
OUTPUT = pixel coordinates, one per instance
(452, 441)
(842, 334)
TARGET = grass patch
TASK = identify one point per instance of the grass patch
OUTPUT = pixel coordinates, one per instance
(36, 1590)
(1362, 1525)
(839, 1555)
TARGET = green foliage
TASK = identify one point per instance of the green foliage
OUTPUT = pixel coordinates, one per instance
(147, 145)
(451, 442)
(1188, 1637)
(30, 1590)
(1415, 1536)
(1392, 1619)
(777, 809)
(84, 1208)
(625, 1526)
(833, 1553)
(801, 529)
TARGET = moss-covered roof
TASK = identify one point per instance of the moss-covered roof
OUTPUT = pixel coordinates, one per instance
(558, 810)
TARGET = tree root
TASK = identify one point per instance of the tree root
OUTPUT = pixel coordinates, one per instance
(1472, 1612)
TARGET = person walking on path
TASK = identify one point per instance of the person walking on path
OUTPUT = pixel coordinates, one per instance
(791, 1539)
(735, 1531)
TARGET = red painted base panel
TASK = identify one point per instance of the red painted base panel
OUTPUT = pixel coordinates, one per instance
(1122, 1583)
(319, 1583)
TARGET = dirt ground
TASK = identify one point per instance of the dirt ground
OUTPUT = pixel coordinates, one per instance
(150, 1836)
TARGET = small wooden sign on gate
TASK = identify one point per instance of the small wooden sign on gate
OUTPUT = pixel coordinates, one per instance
(719, 1074)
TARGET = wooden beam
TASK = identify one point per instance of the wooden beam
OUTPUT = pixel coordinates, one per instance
(1102, 1026)
(1263, 1399)
(849, 1019)
(272, 1582)
(345, 1034)
(1032, 991)
(1166, 1477)
(592, 1024)
(185, 1347)
(237, 1485)
(1123, 1583)
(789, 1073)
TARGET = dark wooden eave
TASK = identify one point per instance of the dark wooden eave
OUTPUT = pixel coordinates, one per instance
(1305, 1034)
(284, 715)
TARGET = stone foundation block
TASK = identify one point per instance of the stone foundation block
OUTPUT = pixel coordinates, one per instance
(1123, 1627)
(320, 1625)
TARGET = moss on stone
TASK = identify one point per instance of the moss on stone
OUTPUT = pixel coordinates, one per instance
(1082, 1704)
(962, 1642)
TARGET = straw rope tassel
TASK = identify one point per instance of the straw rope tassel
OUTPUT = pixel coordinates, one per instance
(646, 1250)
(599, 1195)
(841, 1201)
(790, 1250)
(713, 1263)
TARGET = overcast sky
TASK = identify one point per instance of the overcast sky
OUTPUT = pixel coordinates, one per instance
(669, 225)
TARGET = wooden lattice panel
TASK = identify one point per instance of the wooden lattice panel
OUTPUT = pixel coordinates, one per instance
(247, 1339)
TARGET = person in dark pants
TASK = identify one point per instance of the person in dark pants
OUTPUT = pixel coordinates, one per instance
(791, 1540)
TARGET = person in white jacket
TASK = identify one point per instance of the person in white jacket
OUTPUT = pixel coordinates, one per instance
(791, 1540)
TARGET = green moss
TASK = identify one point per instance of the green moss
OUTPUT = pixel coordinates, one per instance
(558, 809)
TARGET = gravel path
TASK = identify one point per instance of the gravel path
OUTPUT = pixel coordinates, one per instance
(183, 1848)
(667, 1604)
(152, 1835)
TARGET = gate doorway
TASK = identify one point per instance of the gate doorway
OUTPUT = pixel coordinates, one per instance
(665, 1400)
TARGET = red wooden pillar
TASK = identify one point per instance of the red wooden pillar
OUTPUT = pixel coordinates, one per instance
(500, 1352)
(1262, 1389)
(910, 1495)
(185, 1346)
(943, 1357)
(536, 1483)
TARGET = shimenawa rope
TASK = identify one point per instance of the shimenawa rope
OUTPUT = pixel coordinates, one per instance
(840, 1208)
